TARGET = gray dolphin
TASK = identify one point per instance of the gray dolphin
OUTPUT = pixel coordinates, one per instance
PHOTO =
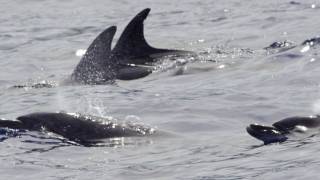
(281, 130)
(83, 129)
(126, 61)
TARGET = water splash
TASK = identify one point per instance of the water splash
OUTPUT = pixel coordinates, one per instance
(37, 84)
(97, 106)
(80, 52)
(305, 49)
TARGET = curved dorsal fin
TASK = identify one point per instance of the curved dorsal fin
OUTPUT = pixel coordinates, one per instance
(101, 46)
(90, 66)
(132, 42)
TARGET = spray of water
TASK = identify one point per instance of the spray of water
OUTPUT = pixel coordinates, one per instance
(316, 107)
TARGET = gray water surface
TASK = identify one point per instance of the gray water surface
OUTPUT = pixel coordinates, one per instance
(206, 108)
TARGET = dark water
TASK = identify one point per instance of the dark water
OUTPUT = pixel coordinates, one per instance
(206, 108)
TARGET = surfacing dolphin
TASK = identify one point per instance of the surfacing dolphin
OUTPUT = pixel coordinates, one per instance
(82, 129)
(126, 61)
(281, 46)
(283, 129)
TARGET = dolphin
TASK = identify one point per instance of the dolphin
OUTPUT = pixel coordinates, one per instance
(283, 129)
(129, 59)
(312, 41)
(281, 46)
(82, 129)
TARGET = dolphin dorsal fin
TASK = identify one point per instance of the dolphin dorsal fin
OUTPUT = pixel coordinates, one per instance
(89, 68)
(132, 42)
(101, 46)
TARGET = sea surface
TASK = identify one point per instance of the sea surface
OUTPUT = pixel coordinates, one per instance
(202, 105)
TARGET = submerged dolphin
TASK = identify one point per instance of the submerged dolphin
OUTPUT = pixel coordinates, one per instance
(75, 127)
(281, 130)
(125, 61)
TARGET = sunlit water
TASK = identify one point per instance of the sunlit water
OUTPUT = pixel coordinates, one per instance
(204, 105)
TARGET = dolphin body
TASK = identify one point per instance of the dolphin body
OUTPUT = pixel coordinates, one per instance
(82, 129)
(281, 130)
(126, 61)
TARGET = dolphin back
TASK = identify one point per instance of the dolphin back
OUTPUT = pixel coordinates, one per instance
(101, 64)
(288, 124)
(79, 128)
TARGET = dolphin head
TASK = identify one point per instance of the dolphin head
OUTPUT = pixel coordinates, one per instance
(266, 134)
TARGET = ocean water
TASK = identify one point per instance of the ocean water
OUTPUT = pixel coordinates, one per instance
(204, 105)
